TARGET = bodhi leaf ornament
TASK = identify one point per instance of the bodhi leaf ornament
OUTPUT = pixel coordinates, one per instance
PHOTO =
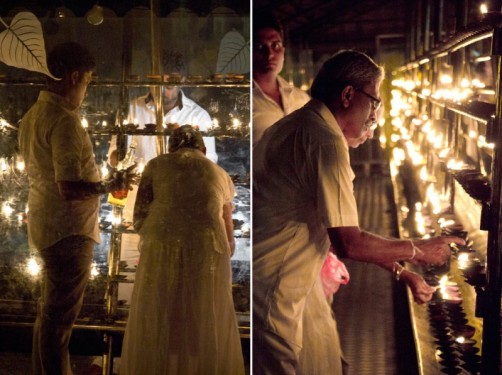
(22, 44)
(233, 56)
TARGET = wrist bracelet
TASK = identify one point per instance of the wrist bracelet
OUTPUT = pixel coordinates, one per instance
(415, 250)
(397, 270)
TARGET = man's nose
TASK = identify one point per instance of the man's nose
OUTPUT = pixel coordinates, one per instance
(268, 50)
(373, 115)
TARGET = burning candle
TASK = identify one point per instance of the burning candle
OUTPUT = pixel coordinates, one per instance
(464, 342)
(215, 124)
(94, 270)
(116, 219)
(3, 164)
(32, 267)
(20, 164)
(236, 123)
(449, 290)
(7, 210)
(463, 261)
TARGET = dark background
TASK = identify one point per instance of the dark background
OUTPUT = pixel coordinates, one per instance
(80, 7)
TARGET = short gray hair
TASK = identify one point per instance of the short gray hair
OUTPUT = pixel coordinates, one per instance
(346, 67)
(186, 136)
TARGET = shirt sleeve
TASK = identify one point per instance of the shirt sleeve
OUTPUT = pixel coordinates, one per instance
(67, 142)
(335, 189)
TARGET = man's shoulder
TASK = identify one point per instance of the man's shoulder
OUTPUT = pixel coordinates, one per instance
(294, 92)
(191, 106)
(307, 117)
(190, 103)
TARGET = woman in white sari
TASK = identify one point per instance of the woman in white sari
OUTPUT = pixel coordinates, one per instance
(182, 319)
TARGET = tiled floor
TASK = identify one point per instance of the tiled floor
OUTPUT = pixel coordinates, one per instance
(376, 343)
(20, 364)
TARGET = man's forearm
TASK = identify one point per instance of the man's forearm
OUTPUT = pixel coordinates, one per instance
(77, 190)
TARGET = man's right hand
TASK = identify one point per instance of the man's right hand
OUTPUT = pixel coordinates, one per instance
(435, 251)
(123, 179)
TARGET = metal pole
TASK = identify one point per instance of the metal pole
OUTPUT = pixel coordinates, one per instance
(427, 25)
(112, 288)
(438, 34)
(157, 70)
(419, 44)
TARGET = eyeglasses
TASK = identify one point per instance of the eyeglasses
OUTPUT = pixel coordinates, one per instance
(375, 102)
(275, 46)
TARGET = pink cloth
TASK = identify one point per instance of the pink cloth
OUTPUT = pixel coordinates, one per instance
(333, 273)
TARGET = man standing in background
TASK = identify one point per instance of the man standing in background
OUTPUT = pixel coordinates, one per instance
(273, 96)
(63, 202)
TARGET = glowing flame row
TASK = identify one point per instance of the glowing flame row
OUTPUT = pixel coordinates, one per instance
(215, 123)
(445, 80)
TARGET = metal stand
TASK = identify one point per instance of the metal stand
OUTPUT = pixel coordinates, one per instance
(111, 295)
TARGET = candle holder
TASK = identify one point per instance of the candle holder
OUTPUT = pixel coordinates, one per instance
(474, 184)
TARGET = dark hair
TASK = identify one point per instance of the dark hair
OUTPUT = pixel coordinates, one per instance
(266, 19)
(68, 57)
(173, 62)
(346, 67)
(186, 136)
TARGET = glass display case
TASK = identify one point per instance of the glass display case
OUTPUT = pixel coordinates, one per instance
(137, 54)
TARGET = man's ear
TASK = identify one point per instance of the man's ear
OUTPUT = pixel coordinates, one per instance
(204, 150)
(75, 77)
(346, 96)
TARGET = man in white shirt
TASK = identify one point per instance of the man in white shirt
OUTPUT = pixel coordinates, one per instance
(63, 201)
(178, 109)
(273, 96)
(303, 201)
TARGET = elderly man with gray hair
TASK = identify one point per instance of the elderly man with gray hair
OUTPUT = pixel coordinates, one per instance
(303, 202)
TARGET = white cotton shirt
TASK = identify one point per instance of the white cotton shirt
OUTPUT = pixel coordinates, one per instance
(302, 185)
(142, 112)
(266, 111)
(56, 147)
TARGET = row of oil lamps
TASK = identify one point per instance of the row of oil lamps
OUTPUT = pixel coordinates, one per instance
(455, 349)
(236, 124)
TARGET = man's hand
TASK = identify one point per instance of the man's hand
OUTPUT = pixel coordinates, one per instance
(121, 180)
(434, 250)
(422, 292)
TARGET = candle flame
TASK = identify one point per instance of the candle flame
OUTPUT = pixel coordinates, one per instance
(32, 267)
(94, 270)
